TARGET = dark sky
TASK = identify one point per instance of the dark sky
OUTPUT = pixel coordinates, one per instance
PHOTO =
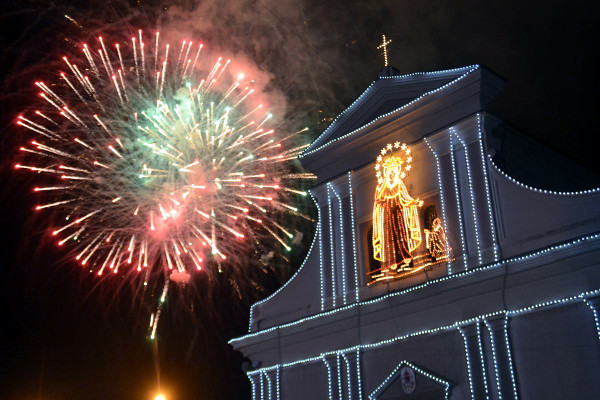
(65, 336)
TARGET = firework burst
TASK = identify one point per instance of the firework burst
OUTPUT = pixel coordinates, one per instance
(155, 164)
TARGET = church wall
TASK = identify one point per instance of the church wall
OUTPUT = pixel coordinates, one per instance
(343, 333)
(473, 204)
(389, 96)
(454, 220)
(464, 357)
(353, 272)
(563, 276)
(473, 227)
(523, 158)
(307, 382)
(495, 327)
(343, 260)
(466, 217)
(556, 354)
(414, 121)
(471, 175)
(555, 275)
(423, 175)
(483, 198)
(490, 347)
(288, 298)
(441, 354)
(525, 224)
(325, 264)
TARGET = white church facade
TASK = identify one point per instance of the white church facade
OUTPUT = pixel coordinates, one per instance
(433, 274)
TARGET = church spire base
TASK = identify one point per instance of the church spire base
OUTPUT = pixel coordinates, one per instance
(388, 71)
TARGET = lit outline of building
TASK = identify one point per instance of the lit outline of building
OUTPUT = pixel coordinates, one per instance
(524, 274)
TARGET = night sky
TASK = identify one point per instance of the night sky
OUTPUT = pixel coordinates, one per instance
(65, 335)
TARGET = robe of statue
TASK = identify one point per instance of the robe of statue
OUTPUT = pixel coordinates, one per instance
(396, 228)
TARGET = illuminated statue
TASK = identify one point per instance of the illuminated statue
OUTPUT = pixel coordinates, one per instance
(435, 240)
(396, 227)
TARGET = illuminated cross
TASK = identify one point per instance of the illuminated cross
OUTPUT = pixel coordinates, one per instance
(384, 45)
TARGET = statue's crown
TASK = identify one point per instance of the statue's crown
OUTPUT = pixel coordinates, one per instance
(393, 161)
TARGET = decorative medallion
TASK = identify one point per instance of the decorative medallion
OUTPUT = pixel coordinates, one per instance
(409, 381)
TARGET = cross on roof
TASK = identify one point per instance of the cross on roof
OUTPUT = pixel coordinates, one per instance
(384, 45)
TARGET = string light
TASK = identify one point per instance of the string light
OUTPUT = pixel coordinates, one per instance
(339, 376)
(262, 387)
(442, 201)
(595, 314)
(513, 180)
(354, 249)
(342, 237)
(487, 188)
(525, 257)
(458, 207)
(313, 149)
(468, 359)
(493, 346)
(510, 361)
(384, 45)
(459, 325)
(321, 263)
(331, 250)
(393, 375)
(471, 194)
(266, 375)
(356, 279)
(253, 386)
(397, 167)
(330, 389)
(456, 325)
(396, 226)
(358, 374)
(443, 213)
(482, 359)
(278, 384)
(348, 376)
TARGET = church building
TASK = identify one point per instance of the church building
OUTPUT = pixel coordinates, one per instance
(434, 272)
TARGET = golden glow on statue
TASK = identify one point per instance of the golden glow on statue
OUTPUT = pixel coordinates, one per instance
(396, 227)
(400, 244)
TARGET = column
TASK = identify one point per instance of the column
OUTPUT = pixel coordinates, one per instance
(504, 374)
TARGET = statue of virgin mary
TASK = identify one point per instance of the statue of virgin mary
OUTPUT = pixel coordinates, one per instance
(396, 228)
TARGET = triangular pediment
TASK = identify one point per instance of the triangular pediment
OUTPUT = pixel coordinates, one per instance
(410, 382)
(385, 96)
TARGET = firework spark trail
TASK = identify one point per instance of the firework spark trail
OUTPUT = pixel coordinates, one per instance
(158, 169)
